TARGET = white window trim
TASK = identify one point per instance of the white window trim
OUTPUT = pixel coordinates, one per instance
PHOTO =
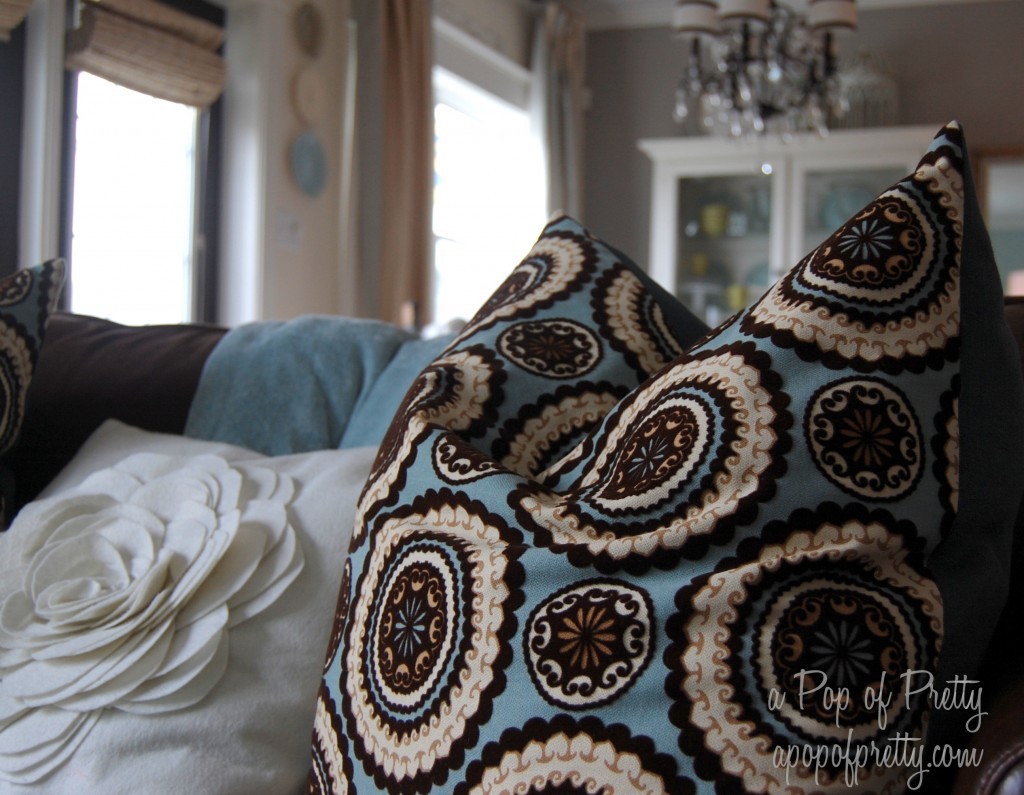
(476, 80)
(460, 54)
(469, 97)
(252, 76)
(42, 131)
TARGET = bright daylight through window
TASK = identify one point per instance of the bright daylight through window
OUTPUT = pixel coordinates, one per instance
(133, 205)
(488, 194)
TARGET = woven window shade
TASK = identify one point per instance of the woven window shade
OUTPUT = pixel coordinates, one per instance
(149, 47)
(11, 14)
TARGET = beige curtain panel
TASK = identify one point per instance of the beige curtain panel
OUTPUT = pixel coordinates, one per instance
(558, 99)
(407, 175)
(149, 47)
(12, 12)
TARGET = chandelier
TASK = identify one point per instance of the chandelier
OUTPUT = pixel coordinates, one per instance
(758, 65)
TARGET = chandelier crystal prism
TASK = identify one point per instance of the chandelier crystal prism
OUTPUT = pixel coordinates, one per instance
(759, 65)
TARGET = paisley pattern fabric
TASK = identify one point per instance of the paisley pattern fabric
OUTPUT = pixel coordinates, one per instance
(27, 299)
(602, 550)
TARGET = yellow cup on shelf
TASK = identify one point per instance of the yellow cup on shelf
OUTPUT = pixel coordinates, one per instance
(699, 264)
(736, 296)
(714, 219)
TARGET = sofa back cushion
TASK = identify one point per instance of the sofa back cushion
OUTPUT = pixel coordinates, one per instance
(91, 370)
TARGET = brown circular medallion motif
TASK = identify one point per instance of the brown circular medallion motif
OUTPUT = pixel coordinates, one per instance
(881, 293)
(842, 604)
(587, 644)
(428, 638)
(414, 624)
(556, 348)
(878, 250)
(543, 433)
(865, 438)
(657, 449)
(847, 636)
(675, 464)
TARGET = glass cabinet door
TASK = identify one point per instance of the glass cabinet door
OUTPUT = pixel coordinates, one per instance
(729, 217)
(1001, 186)
(724, 242)
(832, 197)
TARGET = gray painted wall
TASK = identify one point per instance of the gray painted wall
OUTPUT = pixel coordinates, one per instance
(951, 61)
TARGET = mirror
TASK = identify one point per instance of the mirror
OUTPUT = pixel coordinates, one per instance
(1001, 188)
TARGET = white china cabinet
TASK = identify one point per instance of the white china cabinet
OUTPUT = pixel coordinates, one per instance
(729, 216)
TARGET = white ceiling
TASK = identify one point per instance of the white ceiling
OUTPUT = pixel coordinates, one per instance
(607, 14)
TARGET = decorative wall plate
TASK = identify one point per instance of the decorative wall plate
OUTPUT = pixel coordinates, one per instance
(308, 24)
(309, 163)
(309, 95)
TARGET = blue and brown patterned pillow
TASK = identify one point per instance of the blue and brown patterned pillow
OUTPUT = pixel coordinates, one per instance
(573, 579)
(27, 299)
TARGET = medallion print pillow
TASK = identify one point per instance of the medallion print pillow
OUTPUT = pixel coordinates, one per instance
(696, 583)
(27, 299)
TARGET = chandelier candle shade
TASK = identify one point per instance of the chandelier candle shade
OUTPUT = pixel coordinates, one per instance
(758, 65)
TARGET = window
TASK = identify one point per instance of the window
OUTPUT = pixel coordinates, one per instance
(488, 194)
(133, 205)
(139, 175)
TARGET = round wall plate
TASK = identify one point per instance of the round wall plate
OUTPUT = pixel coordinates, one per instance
(309, 28)
(309, 163)
(309, 95)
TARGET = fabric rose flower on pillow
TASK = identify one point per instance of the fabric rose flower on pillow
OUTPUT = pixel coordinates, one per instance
(119, 594)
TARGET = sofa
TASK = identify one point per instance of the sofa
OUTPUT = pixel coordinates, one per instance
(304, 408)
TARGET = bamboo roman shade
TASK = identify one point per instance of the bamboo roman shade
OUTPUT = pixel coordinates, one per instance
(149, 47)
(11, 14)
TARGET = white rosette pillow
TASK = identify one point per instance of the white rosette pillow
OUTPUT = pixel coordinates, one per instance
(122, 593)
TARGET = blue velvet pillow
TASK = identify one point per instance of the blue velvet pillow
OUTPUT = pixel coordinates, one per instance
(727, 577)
(27, 299)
